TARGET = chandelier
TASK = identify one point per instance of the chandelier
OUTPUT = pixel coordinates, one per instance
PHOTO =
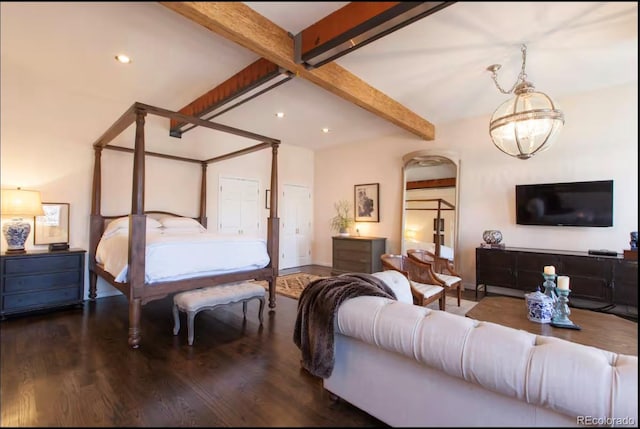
(528, 123)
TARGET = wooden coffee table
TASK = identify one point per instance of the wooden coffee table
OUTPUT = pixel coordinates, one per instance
(605, 331)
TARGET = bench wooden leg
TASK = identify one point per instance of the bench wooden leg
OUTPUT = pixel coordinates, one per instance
(244, 310)
(176, 320)
(191, 315)
(261, 308)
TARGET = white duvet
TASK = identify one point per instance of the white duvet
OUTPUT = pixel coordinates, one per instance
(175, 255)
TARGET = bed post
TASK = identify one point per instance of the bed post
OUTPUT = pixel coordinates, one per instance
(137, 234)
(273, 226)
(437, 228)
(203, 196)
(95, 221)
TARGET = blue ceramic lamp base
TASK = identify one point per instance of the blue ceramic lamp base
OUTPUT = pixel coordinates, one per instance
(16, 233)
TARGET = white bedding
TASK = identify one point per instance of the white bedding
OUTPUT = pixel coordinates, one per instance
(175, 254)
(445, 251)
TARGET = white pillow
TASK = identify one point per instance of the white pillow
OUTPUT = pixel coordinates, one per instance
(182, 223)
(122, 223)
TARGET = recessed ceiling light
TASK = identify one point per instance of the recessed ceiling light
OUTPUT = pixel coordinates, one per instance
(124, 59)
(325, 130)
(280, 114)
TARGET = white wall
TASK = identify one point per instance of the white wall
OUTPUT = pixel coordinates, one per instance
(43, 150)
(599, 141)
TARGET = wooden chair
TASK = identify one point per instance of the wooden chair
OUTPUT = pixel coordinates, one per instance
(424, 288)
(441, 268)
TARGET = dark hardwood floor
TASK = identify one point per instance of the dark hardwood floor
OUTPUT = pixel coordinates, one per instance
(73, 367)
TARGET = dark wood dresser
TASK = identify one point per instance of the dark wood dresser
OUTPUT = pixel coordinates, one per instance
(358, 254)
(40, 279)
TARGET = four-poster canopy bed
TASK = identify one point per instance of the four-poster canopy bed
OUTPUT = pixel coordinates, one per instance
(136, 287)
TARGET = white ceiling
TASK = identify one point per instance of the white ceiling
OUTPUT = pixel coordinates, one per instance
(435, 66)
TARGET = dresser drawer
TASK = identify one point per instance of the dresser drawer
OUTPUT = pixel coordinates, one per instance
(347, 255)
(41, 281)
(353, 246)
(353, 266)
(42, 264)
(42, 299)
(358, 254)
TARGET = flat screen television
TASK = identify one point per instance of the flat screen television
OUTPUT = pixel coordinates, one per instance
(565, 204)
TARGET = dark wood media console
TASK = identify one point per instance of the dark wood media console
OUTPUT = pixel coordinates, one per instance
(599, 281)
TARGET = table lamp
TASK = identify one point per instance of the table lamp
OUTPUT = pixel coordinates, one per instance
(18, 203)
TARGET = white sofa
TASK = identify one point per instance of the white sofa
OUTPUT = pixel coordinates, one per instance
(412, 366)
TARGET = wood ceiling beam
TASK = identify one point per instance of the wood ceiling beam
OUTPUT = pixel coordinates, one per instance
(355, 25)
(254, 76)
(244, 26)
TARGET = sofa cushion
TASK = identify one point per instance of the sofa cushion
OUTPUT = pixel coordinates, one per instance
(427, 290)
(398, 283)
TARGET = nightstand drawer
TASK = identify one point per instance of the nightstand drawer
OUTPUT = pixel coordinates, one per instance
(41, 281)
(34, 300)
(42, 264)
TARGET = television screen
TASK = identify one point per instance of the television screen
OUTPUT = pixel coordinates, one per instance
(565, 204)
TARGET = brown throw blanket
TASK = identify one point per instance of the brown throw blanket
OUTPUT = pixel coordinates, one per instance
(317, 307)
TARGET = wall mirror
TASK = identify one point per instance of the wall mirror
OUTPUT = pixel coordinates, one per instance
(430, 201)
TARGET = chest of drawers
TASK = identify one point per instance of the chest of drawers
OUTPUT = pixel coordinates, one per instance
(358, 254)
(38, 280)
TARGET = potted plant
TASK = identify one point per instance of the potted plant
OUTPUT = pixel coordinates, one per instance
(343, 220)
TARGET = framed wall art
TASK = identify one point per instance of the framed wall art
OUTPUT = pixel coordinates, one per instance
(53, 226)
(367, 202)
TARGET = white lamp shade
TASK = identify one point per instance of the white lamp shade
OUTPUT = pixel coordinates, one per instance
(525, 125)
(18, 203)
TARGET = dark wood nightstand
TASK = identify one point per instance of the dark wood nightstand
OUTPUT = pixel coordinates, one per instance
(41, 279)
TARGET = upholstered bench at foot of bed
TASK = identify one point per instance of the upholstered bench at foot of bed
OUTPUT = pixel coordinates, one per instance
(194, 301)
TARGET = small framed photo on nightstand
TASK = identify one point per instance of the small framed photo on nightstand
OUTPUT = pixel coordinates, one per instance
(53, 227)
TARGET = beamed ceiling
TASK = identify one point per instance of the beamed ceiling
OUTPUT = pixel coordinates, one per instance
(58, 59)
(244, 26)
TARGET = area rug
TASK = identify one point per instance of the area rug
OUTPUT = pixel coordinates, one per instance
(452, 305)
(291, 285)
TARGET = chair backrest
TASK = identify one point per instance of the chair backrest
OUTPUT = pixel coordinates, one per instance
(393, 262)
(413, 269)
(422, 255)
(438, 265)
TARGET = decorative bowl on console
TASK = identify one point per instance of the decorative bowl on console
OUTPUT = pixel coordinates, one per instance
(492, 236)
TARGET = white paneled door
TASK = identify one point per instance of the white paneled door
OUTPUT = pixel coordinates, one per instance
(295, 226)
(238, 206)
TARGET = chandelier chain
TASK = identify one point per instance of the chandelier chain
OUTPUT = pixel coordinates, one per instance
(521, 77)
